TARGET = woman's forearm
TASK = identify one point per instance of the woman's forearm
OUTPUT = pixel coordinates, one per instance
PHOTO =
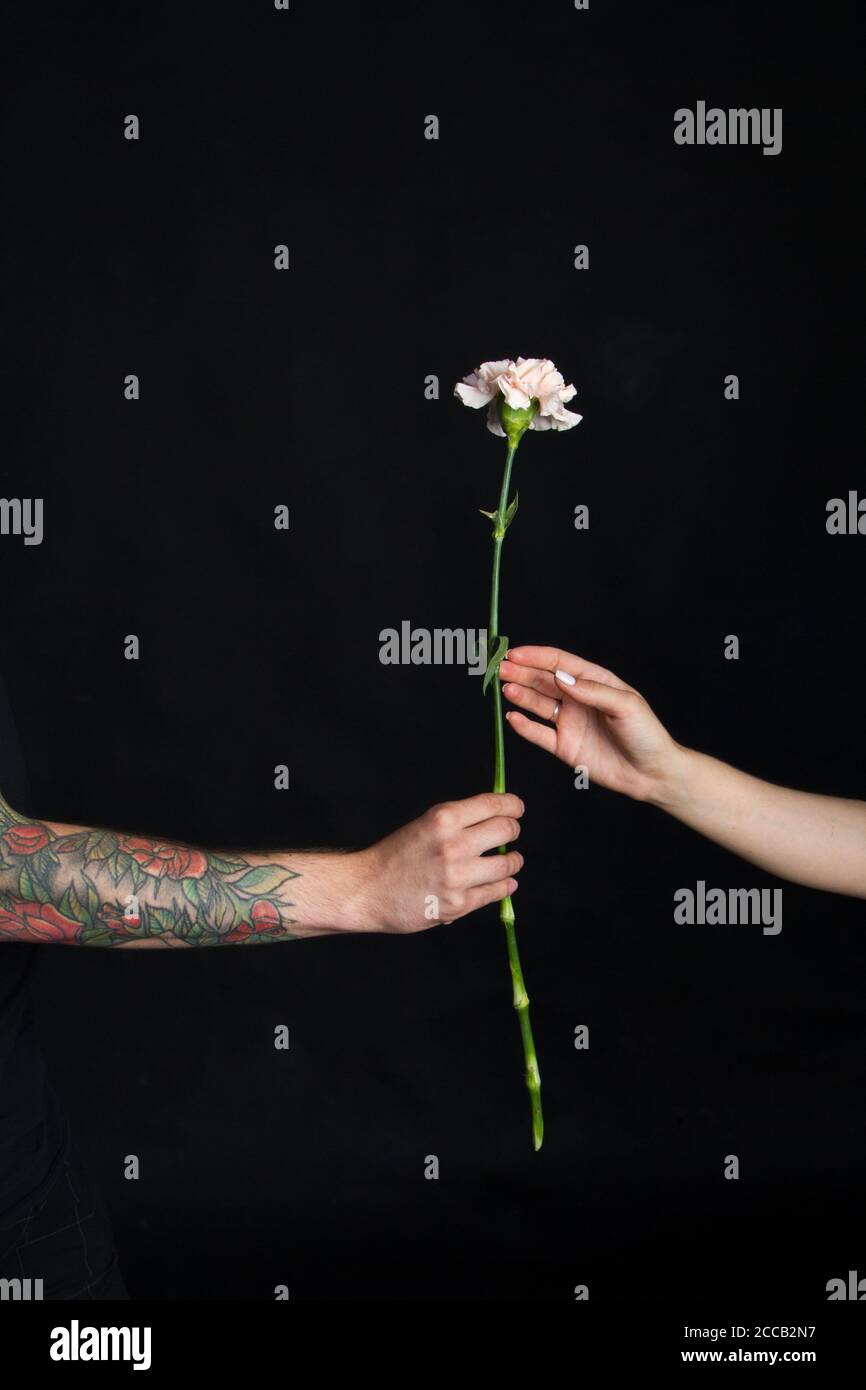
(819, 841)
(607, 727)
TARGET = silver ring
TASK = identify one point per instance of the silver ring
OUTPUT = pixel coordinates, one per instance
(556, 708)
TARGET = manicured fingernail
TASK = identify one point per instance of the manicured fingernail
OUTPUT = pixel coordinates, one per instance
(565, 678)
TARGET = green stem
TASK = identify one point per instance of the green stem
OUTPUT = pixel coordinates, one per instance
(506, 907)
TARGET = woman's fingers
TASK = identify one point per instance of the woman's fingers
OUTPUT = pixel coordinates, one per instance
(530, 676)
(528, 699)
(552, 659)
(539, 734)
(609, 699)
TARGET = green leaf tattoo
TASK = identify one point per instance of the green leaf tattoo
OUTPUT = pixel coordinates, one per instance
(105, 888)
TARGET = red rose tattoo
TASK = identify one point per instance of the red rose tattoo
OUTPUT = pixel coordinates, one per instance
(112, 916)
(90, 886)
(266, 917)
(26, 839)
(37, 922)
(163, 860)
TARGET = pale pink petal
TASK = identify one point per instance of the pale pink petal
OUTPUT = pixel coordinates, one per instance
(512, 389)
(494, 424)
(519, 383)
(475, 396)
(550, 383)
(530, 369)
(492, 371)
(552, 405)
(566, 420)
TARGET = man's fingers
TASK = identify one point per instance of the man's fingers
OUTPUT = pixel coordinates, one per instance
(552, 659)
(490, 893)
(493, 868)
(539, 734)
(456, 815)
(490, 834)
(542, 705)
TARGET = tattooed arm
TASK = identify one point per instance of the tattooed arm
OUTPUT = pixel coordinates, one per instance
(73, 885)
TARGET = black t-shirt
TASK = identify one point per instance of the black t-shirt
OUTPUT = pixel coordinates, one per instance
(33, 1129)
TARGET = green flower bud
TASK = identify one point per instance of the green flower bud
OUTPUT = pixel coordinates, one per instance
(516, 422)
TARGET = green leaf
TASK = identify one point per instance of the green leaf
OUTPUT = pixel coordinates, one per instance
(510, 514)
(68, 843)
(222, 865)
(183, 925)
(97, 937)
(192, 892)
(159, 919)
(265, 879)
(71, 906)
(100, 844)
(38, 892)
(223, 909)
(40, 865)
(493, 662)
(118, 865)
(491, 515)
(240, 912)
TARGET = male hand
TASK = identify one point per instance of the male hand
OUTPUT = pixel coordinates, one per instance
(439, 868)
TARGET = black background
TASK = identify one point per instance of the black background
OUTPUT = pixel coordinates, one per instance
(707, 517)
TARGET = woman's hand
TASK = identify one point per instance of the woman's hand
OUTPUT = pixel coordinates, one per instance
(608, 728)
(603, 724)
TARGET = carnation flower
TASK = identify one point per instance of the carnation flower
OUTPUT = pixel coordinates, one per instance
(519, 384)
(529, 394)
